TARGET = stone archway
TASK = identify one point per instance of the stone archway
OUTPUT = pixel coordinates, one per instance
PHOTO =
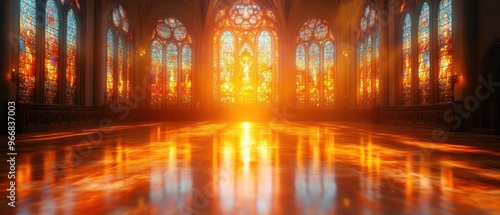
(489, 111)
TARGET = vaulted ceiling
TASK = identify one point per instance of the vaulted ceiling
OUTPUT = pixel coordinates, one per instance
(200, 12)
(283, 7)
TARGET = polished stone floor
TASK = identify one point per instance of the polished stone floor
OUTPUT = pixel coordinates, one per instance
(256, 168)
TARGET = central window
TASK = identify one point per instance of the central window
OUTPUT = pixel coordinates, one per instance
(315, 65)
(171, 62)
(245, 56)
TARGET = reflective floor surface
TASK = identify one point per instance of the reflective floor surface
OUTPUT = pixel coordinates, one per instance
(256, 168)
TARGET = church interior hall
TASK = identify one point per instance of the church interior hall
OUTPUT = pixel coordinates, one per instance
(250, 107)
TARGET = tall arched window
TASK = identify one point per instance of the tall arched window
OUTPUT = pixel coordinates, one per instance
(427, 77)
(118, 57)
(27, 48)
(171, 63)
(246, 56)
(51, 51)
(71, 59)
(424, 57)
(60, 38)
(445, 20)
(110, 59)
(369, 59)
(407, 58)
(361, 72)
(315, 65)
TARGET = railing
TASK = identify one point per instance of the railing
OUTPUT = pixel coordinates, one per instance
(37, 116)
(429, 115)
(433, 115)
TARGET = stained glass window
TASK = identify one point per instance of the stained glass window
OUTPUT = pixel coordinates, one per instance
(328, 74)
(186, 72)
(246, 88)
(58, 83)
(171, 65)
(156, 75)
(246, 56)
(361, 72)
(129, 71)
(377, 68)
(300, 79)
(71, 47)
(51, 52)
(315, 65)
(172, 74)
(368, 59)
(424, 49)
(116, 17)
(407, 58)
(445, 47)
(125, 25)
(265, 66)
(27, 50)
(314, 76)
(110, 61)
(226, 66)
(119, 58)
(368, 70)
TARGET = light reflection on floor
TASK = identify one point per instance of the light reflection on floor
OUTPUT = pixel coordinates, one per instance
(254, 168)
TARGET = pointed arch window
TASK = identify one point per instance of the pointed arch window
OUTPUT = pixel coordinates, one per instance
(427, 75)
(27, 46)
(315, 65)
(445, 47)
(171, 65)
(58, 75)
(118, 58)
(71, 59)
(51, 52)
(246, 56)
(424, 57)
(369, 59)
(407, 60)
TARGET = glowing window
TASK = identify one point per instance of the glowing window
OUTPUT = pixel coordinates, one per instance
(265, 66)
(71, 57)
(186, 74)
(227, 73)
(361, 72)
(407, 58)
(121, 75)
(110, 66)
(27, 50)
(368, 59)
(171, 77)
(445, 47)
(156, 75)
(129, 71)
(377, 68)
(424, 49)
(329, 74)
(58, 83)
(246, 56)
(119, 58)
(315, 65)
(300, 80)
(368, 72)
(51, 52)
(314, 76)
(171, 65)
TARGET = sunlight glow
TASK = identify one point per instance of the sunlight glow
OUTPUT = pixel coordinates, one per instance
(246, 56)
